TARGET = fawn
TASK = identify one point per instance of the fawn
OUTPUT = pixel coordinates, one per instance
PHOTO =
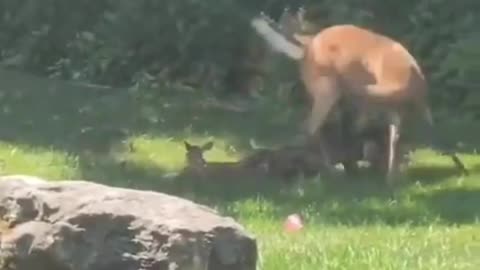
(197, 166)
(284, 163)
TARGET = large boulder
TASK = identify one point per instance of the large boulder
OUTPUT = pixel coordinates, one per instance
(79, 225)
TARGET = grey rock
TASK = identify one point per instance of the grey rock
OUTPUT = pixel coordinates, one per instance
(80, 225)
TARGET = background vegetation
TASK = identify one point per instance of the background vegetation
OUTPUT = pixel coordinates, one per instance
(201, 43)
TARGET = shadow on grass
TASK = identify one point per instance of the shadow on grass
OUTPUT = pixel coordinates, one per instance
(434, 174)
(456, 205)
(80, 120)
(431, 174)
(359, 201)
(71, 117)
(75, 118)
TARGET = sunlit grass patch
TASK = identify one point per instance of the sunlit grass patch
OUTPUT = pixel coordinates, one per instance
(169, 154)
(369, 247)
(39, 161)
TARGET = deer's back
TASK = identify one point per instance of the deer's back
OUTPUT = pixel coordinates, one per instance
(360, 57)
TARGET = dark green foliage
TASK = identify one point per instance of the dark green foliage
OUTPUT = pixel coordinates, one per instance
(125, 42)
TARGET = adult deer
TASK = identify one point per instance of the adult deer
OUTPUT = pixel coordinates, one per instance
(374, 73)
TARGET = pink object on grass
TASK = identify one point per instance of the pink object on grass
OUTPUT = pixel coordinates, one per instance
(293, 223)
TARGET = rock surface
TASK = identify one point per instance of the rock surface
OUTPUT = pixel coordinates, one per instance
(79, 225)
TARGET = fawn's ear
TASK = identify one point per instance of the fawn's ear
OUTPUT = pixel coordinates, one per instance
(187, 145)
(207, 146)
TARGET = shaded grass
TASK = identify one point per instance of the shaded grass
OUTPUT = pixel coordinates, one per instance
(135, 139)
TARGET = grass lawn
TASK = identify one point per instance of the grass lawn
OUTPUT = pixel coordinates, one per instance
(134, 139)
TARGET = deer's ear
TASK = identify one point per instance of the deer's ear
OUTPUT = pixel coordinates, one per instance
(207, 146)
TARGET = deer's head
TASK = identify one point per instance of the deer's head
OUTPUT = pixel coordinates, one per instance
(194, 155)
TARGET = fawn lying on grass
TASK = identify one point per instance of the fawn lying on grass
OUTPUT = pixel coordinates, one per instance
(197, 166)
(284, 163)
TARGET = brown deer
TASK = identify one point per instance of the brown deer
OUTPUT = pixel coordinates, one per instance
(376, 74)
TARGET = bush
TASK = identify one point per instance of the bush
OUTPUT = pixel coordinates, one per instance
(122, 42)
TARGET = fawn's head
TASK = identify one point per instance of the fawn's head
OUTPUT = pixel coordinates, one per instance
(290, 22)
(194, 155)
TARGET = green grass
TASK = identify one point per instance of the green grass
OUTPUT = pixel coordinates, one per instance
(134, 139)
